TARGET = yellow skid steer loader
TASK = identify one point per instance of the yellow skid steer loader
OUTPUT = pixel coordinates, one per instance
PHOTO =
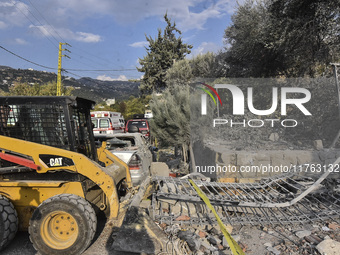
(53, 178)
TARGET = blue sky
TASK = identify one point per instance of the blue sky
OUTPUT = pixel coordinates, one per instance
(104, 34)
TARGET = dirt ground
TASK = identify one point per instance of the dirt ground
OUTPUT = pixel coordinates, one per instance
(253, 239)
(293, 239)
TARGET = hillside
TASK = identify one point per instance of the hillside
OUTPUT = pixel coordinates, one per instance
(105, 89)
(85, 87)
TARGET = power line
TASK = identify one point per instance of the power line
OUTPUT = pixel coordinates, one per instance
(72, 73)
(15, 5)
(42, 25)
(46, 22)
(67, 69)
(107, 70)
(27, 59)
(52, 27)
(62, 39)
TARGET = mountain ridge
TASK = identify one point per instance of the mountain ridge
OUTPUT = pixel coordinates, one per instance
(86, 87)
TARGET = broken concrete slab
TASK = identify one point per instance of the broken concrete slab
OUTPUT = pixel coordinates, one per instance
(273, 250)
(303, 233)
(328, 247)
(318, 145)
(159, 169)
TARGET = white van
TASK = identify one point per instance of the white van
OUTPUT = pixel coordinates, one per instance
(106, 123)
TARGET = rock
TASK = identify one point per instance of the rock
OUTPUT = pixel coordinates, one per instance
(215, 230)
(159, 169)
(274, 137)
(324, 228)
(229, 228)
(326, 237)
(191, 238)
(202, 234)
(205, 244)
(312, 239)
(168, 188)
(268, 244)
(182, 208)
(224, 242)
(333, 226)
(183, 218)
(237, 238)
(214, 240)
(303, 233)
(318, 144)
(273, 250)
(220, 247)
(328, 247)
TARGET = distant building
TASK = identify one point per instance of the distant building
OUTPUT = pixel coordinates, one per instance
(110, 101)
(148, 114)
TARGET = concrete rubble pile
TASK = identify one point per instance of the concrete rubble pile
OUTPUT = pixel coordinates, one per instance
(306, 225)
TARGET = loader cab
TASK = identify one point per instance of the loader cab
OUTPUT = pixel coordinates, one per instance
(63, 122)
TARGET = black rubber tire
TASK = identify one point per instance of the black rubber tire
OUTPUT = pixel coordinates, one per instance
(8, 222)
(80, 209)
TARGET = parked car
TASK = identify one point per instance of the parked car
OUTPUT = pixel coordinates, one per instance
(135, 152)
(106, 123)
(138, 125)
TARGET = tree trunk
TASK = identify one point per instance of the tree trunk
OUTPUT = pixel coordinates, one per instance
(192, 159)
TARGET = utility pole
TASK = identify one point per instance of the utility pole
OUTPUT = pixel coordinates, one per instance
(59, 65)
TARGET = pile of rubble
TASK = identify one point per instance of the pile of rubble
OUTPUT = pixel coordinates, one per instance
(197, 239)
(279, 215)
(314, 238)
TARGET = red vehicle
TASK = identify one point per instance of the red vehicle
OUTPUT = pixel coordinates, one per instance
(138, 125)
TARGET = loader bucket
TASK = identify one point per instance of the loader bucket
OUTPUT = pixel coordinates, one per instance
(139, 233)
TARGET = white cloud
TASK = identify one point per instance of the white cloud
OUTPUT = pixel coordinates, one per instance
(125, 12)
(67, 34)
(108, 78)
(87, 37)
(3, 25)
(122, 78)
(139, 44)
(19, 41)
(197, 20)
(205, 47)
(13, 12)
